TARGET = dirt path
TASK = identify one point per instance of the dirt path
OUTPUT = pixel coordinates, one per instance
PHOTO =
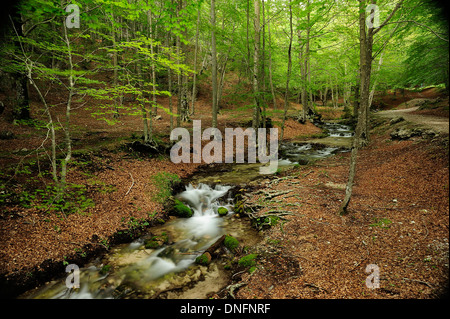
(440, 124)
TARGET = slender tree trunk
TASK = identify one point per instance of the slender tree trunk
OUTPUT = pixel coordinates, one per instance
(153, 68)
(169, 76)
(21, 105)
(263, 67)
(372, 92)
(179, 80)
(306, 70)
(288, 76)
(214, 64)
(307, 77)
(365, 62)
(221, 82)
(256, 65)
(270, 67)
(194, 85)
(249, 72)
(332, 92)
(66, 160)
(115, 71)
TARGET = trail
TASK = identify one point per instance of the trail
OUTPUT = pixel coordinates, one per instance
(439, 124)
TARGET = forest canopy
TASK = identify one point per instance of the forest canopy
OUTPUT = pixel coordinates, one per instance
(304, 51)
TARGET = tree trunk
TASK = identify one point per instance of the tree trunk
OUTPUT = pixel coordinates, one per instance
(288, 76)
(262, 70)
(153, 70)
(221, 82)
(115, 71)
(21, 106)
(256, 65)
(153, 108)
(365, 62)
(194, 85)
(169, 76)
(68, 157)
(270, 67)
(372, 92)
(179, 81)
(214, 64)
(306, 66)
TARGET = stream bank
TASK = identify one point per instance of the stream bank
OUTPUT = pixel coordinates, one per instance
(184, 282)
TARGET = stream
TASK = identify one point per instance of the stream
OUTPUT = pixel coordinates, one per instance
(169, 270)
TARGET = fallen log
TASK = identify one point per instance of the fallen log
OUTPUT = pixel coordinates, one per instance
(215, 246)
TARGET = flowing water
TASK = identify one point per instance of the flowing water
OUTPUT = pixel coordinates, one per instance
(133, 271)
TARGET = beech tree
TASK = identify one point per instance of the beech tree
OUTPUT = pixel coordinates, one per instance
(367, 31)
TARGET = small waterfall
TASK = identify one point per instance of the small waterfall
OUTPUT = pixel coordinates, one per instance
(194, 235)
(145, 270)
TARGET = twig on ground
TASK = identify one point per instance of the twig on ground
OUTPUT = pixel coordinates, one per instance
(132, 184)
(420, 282)
(232, 288)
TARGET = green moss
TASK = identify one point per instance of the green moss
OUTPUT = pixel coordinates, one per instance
(151, 244)
(156, 241)
(272, 220)
(105, 269)
(231, 243)
(203, 259)
(382, 223)
(239, 207)
(181, 210)
(222, 211)
(248, 261)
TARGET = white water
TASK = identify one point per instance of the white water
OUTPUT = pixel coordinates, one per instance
(194, 235)
(142, 268)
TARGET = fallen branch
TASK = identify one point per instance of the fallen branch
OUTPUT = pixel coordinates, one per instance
(272, 195)
(420, 282)
(315, 287)
(232, 288)
(215, 246)
(280, 212)
(132, 184)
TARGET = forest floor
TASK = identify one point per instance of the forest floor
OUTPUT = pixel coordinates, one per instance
(398, 216)
(398, 220)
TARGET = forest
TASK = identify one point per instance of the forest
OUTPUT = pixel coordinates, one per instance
(95, 95)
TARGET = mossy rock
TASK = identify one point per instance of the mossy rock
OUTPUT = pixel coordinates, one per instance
(248, 261)
(203, 259)
(231, 243)
(222, 211)
(181, 210)
(156, 241)
(105, 269)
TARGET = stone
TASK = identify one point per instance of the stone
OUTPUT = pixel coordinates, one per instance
(405, 133)
(396, 120)
(222, 211)
(203, 259)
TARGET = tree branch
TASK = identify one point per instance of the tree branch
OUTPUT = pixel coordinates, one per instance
(397, 6)
(422, 25)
